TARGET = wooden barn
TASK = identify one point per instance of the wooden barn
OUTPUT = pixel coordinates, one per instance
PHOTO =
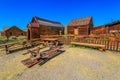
(39, 26)
(13, 31)
(81, 26)
(107, 29)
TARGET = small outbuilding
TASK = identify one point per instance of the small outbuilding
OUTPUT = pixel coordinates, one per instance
(80, 26)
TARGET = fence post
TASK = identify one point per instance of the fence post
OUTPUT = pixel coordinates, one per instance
(117, 49)
(107, 44)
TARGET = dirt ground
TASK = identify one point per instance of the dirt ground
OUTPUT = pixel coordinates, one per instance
(73, 64)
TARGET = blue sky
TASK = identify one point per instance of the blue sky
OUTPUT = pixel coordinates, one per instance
(20, 12)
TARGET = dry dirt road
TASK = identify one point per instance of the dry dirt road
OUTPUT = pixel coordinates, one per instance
(73, 64)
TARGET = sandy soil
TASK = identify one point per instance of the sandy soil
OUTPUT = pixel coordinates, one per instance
(73, 64)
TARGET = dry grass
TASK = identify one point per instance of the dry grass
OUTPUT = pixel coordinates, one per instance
(74, 64)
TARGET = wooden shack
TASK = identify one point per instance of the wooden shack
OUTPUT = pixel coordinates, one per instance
(12, 31)
(81, 26)
(107, 29)
(39, 26)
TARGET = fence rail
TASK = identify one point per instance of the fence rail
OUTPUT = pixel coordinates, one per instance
(19, 45)
(109, 44)
(67, 39)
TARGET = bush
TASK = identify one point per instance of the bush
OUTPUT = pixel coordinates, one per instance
(65, 37)
(3, 38)
(13, 38)
(106, 39)
(21, 38)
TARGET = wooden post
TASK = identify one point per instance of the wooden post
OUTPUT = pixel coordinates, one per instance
(117, 45)
(6, 49)
(108, 44)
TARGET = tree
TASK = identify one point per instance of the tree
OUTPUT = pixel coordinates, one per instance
(5, 28)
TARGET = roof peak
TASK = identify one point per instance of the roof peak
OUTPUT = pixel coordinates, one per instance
(82, 18)
(46, 20)
(80, 21)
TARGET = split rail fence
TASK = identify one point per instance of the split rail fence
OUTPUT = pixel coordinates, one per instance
(67, 39)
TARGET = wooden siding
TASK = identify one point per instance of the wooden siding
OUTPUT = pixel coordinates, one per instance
(84, 26)
(82, 30)
(99, 30)
(35, 28)
(106, 29)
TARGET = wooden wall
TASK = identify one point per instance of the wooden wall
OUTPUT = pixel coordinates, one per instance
(82, 30)
(99, 30)
(49, 30)
(35, 32)
(105, 29)
(114, 27)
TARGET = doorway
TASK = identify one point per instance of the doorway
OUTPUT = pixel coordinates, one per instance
(76, 31)
(28, 34)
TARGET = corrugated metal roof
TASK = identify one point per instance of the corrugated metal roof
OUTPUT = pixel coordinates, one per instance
(45, 22)
(80, 21)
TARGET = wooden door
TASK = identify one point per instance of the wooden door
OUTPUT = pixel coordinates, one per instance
(76, 31)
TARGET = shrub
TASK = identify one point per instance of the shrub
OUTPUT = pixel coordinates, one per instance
(106, 39)
(64, 36)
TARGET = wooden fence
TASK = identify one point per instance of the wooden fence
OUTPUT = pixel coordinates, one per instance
(109, 44)
(67, 39)
(10, 47)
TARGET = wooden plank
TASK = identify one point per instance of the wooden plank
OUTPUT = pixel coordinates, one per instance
(87, 44)
(114, 46)
(101, 47)
(47, 54)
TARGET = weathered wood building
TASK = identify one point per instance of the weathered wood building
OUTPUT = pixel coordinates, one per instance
(39, 26)
(13, 31)
(81, 26)
(107, 29)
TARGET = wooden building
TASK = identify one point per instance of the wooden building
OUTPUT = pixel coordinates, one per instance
(107, 29)
(39, 26)
(0, 33)
(12, 31)
(81, 26)
(99, 30)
